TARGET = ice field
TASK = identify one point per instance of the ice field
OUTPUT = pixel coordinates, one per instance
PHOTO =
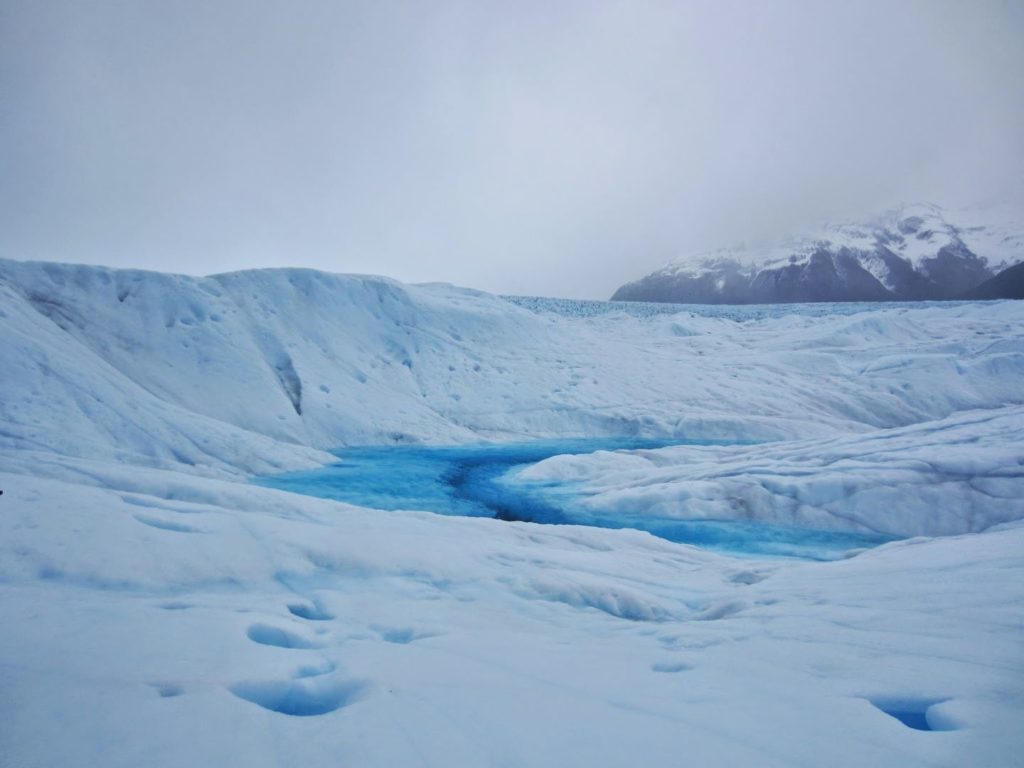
(161, 606)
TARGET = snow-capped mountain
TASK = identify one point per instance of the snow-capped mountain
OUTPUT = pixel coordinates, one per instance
(913, 252)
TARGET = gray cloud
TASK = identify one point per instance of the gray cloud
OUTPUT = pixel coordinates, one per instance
(553, 148)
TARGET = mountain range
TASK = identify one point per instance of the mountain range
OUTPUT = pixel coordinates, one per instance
(914, 252)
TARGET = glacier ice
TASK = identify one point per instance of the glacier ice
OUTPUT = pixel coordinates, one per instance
(159, 609)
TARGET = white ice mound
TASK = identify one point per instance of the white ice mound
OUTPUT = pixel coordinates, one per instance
(957, 475)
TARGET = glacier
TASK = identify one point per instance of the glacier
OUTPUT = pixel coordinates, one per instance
(160, 608)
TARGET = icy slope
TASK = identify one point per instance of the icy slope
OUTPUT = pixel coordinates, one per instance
(168, 370)
(957, 475)
(62, 396)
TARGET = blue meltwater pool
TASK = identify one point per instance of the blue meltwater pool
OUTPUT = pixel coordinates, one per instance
(475, 481)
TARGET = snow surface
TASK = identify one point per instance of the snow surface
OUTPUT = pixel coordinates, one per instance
(957, 475)
(158, 609)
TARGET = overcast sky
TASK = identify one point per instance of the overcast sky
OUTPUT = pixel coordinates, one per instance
(555, 148)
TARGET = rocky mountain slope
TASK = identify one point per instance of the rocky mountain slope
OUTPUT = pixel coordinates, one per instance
(911, 253)
(1008, 284)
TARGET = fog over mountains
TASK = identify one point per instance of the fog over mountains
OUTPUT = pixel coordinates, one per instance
(914, 252)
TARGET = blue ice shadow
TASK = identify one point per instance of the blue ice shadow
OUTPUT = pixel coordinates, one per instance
(913, 713)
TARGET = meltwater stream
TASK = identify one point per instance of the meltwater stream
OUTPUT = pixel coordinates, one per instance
(473, 480)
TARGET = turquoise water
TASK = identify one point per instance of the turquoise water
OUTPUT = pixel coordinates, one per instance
(472, 480)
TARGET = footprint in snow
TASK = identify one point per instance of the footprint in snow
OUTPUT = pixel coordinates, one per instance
(314, 670)
(265, 634)
(168, 690)
(314, 689)
(401, 635)
(746, 577)
(721, 610)
(303, 697)
(176, 606)
(312, 612)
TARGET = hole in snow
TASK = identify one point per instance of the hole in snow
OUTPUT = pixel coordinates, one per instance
(168, 690)
(264, 634)
(401, 635)
(913, 713)
(746, 577)
(309, 612)
(315, 670)
(300, 698)
(176, 606)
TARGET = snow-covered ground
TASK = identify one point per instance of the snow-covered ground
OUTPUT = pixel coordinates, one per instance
(158, 609)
